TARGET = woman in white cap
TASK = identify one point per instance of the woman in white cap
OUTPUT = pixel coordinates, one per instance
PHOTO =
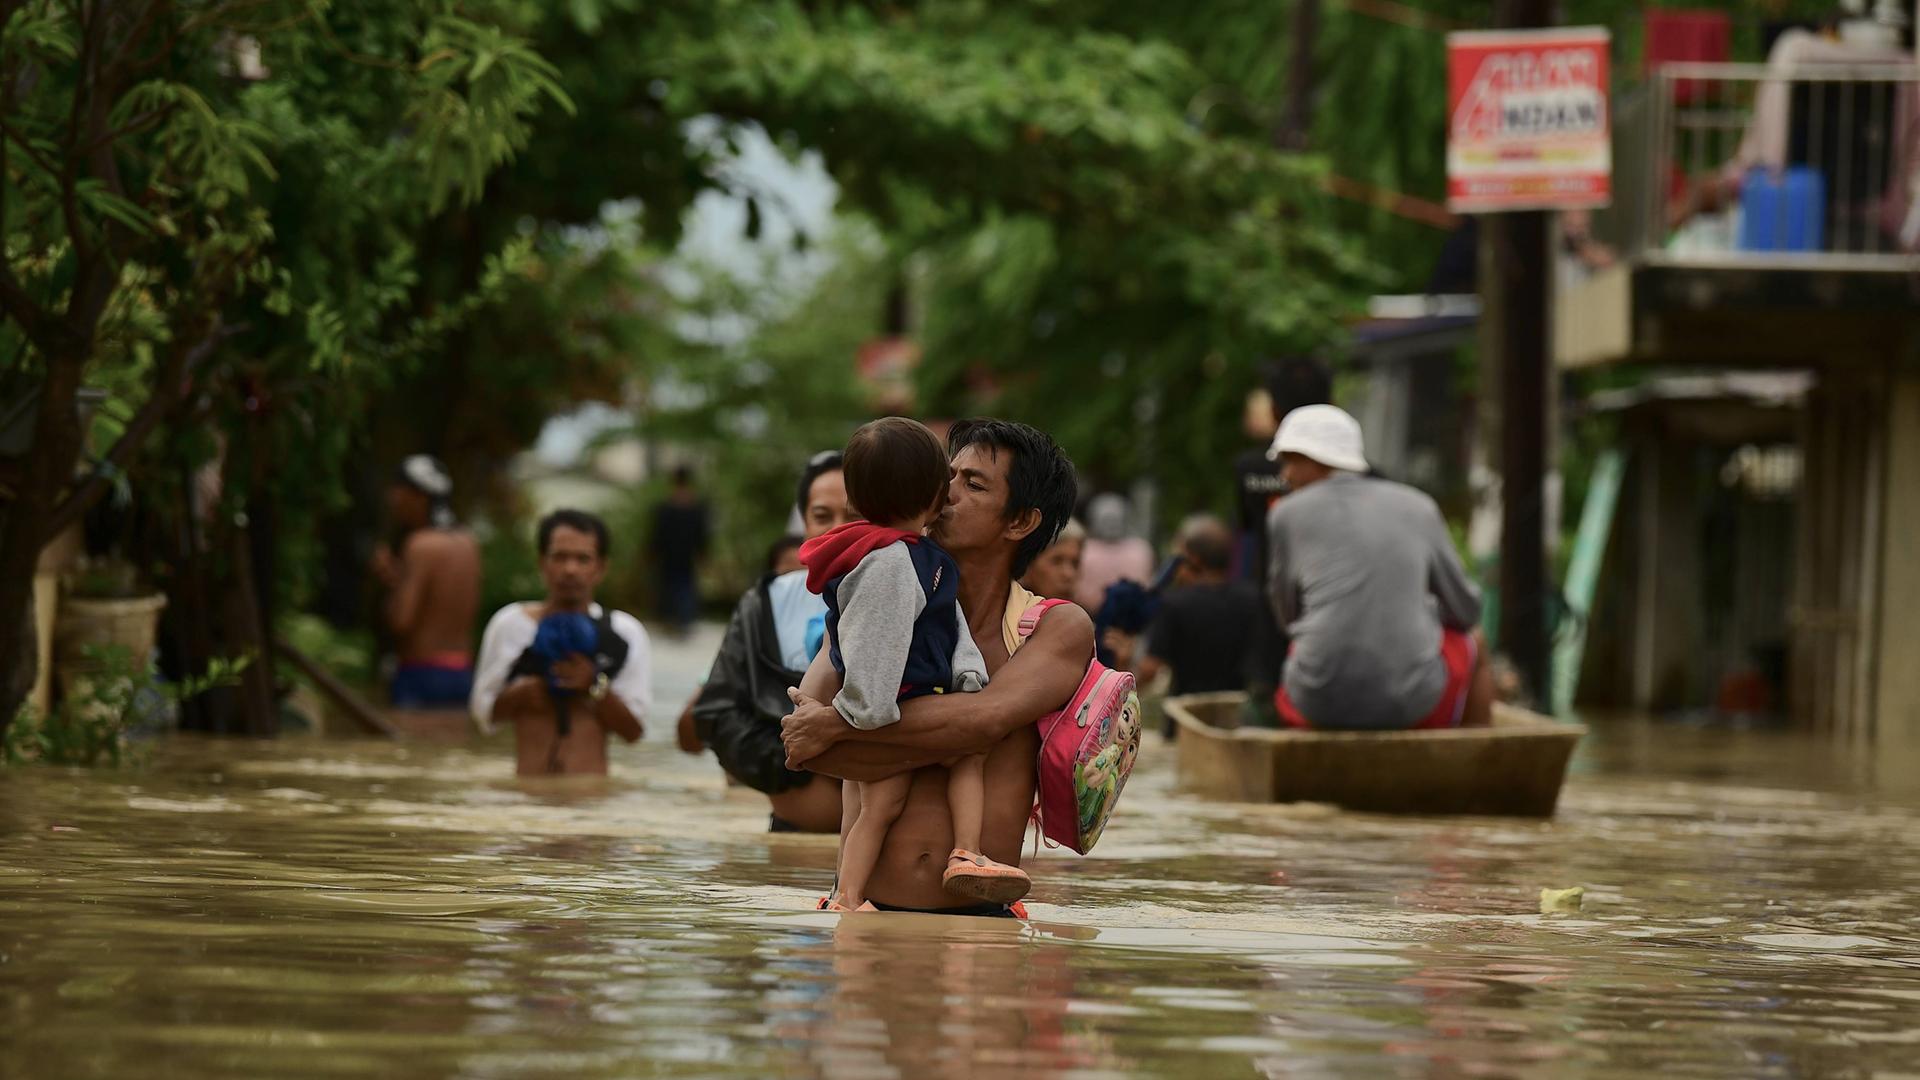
(1382, 616)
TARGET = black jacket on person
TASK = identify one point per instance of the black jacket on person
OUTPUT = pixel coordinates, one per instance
(739, 710)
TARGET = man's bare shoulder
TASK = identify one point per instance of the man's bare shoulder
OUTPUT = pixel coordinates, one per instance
(1065, 627)
(441, 543)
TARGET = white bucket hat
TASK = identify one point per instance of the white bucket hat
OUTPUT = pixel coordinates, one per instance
(1327, 434)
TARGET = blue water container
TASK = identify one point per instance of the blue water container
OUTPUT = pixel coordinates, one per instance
(1782, 210)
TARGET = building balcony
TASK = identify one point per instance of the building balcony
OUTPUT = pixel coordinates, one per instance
(1762, 214)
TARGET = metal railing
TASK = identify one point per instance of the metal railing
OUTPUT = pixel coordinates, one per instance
(1813, 165)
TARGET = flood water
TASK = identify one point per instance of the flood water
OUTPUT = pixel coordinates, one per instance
(314, 908)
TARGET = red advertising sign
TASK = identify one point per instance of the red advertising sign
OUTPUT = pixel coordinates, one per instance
(1527, 120)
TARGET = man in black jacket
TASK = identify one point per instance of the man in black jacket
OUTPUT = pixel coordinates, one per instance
(765, 651)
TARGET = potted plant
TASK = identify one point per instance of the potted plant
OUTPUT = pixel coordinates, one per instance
(106, 606)
(111, 699)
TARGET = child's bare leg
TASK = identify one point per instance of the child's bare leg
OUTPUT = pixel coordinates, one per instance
(967, 799)
(880, 804)
(849, 813)
(973, 874)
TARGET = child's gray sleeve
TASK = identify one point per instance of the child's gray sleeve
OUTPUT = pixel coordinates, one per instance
(879, 600)
(969, 667)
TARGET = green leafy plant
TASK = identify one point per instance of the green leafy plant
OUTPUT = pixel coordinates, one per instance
(107, 706)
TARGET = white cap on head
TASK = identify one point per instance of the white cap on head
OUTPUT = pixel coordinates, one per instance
(424, 473)
(1327, 434)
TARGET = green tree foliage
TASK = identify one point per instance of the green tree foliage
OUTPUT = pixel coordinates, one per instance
(321, 236)
(755, 409)
(197, 192)
(1082, 197)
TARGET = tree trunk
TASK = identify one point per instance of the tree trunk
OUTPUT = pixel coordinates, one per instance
(245, 637)
(48, 465)
(1295, 131)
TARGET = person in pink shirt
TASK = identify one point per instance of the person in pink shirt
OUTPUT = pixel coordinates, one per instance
(1111, 554)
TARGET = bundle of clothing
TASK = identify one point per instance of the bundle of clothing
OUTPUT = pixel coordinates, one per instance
(564, 634)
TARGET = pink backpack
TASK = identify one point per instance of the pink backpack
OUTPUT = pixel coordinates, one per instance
(1087, 751)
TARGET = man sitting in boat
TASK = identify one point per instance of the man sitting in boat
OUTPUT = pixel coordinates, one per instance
(1383, 620)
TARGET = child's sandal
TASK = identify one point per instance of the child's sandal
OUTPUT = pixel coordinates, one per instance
(977, 877)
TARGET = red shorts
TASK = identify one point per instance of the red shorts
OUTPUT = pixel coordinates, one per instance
(1458, 653)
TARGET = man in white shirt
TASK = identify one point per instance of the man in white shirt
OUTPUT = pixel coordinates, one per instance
(562, 718)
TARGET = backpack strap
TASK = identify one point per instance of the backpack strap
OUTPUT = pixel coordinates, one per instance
(1030, 619)
(1029, 622)
(613, 648)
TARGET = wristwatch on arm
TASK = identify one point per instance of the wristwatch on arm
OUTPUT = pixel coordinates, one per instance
(598, 691)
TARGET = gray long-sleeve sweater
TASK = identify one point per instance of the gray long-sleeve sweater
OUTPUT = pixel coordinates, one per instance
(879, 601)
(1363, 576)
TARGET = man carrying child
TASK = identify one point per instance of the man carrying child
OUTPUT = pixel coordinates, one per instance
(895, 633)
(1009, 492)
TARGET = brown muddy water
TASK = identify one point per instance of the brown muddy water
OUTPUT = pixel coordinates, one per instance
(317, 908)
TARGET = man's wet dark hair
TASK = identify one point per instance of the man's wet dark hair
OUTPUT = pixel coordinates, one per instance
(895, 470)
(818, 465)
(578, 521)
(1040, 477)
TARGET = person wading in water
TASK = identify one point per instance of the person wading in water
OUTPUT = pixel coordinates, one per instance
(565, 672)
(433, 590)
(1011, 491)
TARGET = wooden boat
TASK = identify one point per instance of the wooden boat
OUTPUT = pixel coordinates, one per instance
(1515, 767)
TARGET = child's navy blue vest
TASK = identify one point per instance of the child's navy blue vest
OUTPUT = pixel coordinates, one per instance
(936, 632)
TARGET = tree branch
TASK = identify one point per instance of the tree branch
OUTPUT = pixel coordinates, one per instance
(180, 366)
(19, 138)
(83, 83)
(144, 122)
(137, 33)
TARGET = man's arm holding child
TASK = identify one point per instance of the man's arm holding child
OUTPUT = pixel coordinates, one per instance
(935, 728)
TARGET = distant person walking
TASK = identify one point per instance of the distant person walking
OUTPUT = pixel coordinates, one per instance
(679, 541)
(1113, 551)
(565, 672)
(1382, 617)
(432, 578)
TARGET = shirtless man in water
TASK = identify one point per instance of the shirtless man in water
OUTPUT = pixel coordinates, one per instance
(1011, 492)
(433, 590)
